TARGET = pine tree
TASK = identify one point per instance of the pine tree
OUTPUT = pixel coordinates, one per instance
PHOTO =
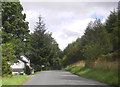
(44, 49)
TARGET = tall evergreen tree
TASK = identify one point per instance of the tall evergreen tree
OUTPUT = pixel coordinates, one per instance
(118, 11)
(112, 27)
(44, 48)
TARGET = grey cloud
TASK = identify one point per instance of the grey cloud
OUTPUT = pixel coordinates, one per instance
(71, 33)
(54, 10)
(68, 34)
(56, 15)
(67, 6)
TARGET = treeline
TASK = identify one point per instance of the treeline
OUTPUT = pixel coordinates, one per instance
(98, 40)
(38, 46)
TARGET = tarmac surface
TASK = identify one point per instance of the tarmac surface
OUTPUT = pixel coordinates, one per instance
(60, 78)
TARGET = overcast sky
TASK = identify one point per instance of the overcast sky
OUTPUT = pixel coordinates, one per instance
(66, 20)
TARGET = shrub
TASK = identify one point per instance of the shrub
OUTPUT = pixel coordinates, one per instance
(27, 70)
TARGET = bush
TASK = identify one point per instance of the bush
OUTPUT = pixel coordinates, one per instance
(8, 54)
(27, 70)
(5, 67)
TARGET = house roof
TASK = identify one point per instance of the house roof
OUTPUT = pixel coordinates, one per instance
(24, 59)
(21, 63)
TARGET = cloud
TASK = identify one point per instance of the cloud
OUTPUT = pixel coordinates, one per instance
(66, 20)
(70, 32)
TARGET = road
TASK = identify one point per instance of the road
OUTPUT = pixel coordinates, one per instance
(62, 78)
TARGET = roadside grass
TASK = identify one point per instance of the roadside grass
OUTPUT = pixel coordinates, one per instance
(14, 80)
(105, 76)
(37, 72)
(0, 81)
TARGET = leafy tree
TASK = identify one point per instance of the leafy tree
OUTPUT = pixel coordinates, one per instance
(8, 55)
(14, 26)
(72, 53)
(19, 47)
(5, 67)
(13, 22)
(99, 38)
(90, 46)
(14, 32)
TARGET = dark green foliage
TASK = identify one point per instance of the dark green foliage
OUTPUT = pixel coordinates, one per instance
(71, 54)
(111, 22)
(27, 70)
(13, 21)
(14, 32)
(44, 49)
(8, 54)
(19, 47)
(113, 28)
(118, 11)
(97, 41)
(5, 67)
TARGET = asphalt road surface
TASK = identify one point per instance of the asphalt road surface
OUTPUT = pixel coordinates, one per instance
(62, 79)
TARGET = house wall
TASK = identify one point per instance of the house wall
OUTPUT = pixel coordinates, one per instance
(18, 71)
(18, 68)
(18, 65)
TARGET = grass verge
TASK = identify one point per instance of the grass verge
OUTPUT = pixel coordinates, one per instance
(14, 80)
(109, 77)
(0, 81)
(37, 72)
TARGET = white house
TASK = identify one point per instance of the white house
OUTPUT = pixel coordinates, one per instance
(18, 68)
